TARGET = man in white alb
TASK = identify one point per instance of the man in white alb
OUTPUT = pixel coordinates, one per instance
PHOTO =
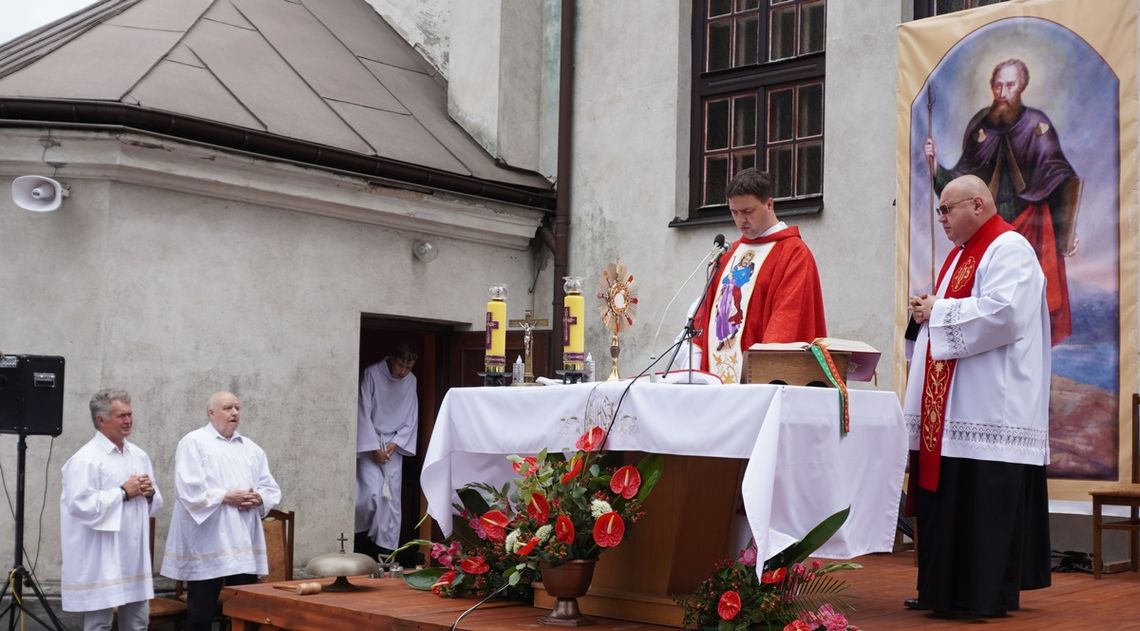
(108, 498)
(224, 490)
(386, 424)
(977, 407)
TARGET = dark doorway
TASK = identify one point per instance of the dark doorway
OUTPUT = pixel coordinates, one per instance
(448, 358)
(379, 336)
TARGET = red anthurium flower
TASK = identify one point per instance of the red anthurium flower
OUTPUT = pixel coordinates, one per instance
(474, 565)
(575, 469)
(729, 605)
(626, 481)
(531, 464)
(564, 529)
(591, 440)
(538, 508)
(443, 581)
(528, 548)
(798, 625)
(773, 576)
(494, 523)
(609, 530)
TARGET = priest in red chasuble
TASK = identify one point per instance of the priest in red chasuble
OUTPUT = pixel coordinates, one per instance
(977, 409)
(768, 289)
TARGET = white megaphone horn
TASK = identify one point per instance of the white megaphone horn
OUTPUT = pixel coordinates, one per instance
(38, 194)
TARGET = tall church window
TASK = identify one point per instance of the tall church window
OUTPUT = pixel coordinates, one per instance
(758, 95)
(929, 8)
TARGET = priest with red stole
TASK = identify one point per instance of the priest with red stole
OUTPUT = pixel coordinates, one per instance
(768, 287)
(977, 407)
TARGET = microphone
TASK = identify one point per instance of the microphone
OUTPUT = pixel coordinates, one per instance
(719, 246)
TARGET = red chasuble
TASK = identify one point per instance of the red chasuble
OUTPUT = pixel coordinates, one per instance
(939, 373)
(786, 303)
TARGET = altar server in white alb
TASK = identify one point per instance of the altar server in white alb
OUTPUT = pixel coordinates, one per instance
(386, 423)
(977, 407)
(108, 497)
(224, 490)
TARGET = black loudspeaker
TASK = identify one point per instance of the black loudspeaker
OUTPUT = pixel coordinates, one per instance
(31, 395)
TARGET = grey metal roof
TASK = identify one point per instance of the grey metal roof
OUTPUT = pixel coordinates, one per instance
(326, 72)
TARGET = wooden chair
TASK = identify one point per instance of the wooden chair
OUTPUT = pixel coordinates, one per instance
(165, 609)
(278, 526)
(1120, 495)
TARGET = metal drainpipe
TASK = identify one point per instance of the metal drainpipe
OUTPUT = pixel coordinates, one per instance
(562, 199)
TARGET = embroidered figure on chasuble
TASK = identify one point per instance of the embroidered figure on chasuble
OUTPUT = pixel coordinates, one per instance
(734, 292)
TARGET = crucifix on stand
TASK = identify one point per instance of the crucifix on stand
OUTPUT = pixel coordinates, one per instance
(527, 324)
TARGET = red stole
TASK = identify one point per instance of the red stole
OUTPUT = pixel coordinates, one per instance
(938, 374)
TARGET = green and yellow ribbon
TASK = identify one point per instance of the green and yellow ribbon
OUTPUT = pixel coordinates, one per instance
(827, 364)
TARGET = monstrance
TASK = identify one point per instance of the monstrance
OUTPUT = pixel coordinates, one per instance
(617, 298)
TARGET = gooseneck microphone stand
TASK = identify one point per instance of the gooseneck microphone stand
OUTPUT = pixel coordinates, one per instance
(19, 575)
(690, 332)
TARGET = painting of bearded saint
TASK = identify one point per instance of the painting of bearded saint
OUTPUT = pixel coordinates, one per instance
(1056, 180)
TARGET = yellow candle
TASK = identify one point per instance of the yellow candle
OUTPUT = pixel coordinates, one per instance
(496, 336)
(574, 329)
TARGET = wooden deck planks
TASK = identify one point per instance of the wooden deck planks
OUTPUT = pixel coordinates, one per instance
(1074, 601)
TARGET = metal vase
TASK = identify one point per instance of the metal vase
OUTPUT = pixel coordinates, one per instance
(566, 583)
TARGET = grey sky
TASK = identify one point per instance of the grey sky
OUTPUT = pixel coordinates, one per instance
(20, 16)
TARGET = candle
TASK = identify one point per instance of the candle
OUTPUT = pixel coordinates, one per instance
(496, 330)
(573, 324)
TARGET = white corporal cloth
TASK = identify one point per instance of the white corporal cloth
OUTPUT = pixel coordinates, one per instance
(799, 472)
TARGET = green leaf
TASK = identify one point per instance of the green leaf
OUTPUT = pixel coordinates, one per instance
(473, 501)
(650, 469)
(810, 543)
(514, 579)
(425, 578)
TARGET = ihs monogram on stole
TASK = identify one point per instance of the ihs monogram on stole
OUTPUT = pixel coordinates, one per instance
(963, 274)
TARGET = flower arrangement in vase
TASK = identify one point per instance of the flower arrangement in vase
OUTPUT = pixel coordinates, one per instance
(786, 594)
(559, 508)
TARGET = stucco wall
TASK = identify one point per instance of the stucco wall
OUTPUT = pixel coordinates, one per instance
(173, 295)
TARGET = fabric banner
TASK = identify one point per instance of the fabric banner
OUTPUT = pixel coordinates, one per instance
(1039, 99)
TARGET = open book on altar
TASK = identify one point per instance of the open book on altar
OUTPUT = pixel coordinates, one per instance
(863, 357)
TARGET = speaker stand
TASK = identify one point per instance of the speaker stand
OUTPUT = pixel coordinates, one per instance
(16, 610)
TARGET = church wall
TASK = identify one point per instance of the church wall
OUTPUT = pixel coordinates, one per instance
(173, 295)
(424, 24)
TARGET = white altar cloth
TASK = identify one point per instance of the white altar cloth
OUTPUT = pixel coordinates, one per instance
(800, 470)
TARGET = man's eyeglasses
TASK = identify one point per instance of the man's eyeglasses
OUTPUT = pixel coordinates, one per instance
(945, 208)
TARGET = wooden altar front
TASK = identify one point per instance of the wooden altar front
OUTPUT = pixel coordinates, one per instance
(672, 549)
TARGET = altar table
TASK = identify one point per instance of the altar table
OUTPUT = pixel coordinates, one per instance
(380, 604)
(800, 469)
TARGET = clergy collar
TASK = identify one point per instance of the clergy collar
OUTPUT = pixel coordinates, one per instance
(108, 446)
(770, 234)
(774, 229)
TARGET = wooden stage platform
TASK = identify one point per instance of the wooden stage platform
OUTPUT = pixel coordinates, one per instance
(1075, 601)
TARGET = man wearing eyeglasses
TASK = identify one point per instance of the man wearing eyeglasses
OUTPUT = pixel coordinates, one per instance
(1016, 150)
(977, 407)
(768, 290)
